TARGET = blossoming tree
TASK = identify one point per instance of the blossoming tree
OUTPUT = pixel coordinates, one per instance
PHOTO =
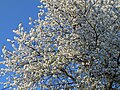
(73, 46)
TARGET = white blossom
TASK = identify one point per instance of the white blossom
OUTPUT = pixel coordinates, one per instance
(76, 46)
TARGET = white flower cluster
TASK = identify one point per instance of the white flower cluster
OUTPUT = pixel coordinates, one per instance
(76, 46)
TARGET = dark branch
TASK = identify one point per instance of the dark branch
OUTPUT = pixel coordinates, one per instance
(60, 84)
(118, 59)
(66, 73)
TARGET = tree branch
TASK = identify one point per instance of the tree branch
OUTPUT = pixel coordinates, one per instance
(110, 85)
(66, 73)
(118, 61)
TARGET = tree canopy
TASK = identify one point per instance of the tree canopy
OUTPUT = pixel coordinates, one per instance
(73, 45)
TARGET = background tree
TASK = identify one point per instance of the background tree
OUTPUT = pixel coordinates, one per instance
(76, 46)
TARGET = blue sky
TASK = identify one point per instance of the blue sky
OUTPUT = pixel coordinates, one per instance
(12, 12)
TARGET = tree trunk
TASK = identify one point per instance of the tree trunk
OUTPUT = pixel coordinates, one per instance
(110, 85)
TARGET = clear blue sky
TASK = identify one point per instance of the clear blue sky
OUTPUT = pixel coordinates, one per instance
(12, 12)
